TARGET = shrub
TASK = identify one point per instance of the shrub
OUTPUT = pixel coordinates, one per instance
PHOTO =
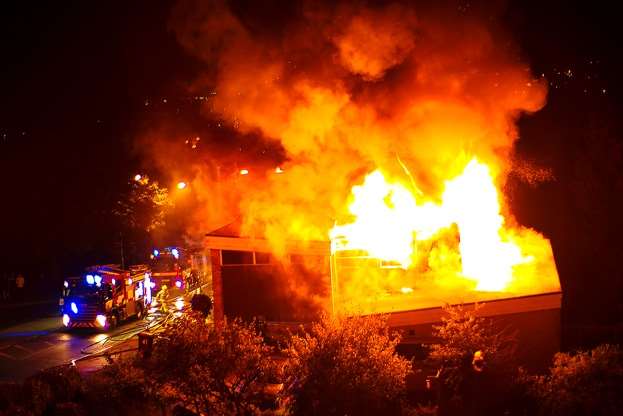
(201, 303)
(213, 369)
(120, 388)
(582, 383)
(346, 366)
(11, 399)
(46, 389)
(461, 335)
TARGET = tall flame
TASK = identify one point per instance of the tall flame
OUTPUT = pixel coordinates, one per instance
(389, 220)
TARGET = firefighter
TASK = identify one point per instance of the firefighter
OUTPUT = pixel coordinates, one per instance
(478, 362)
(162, 297)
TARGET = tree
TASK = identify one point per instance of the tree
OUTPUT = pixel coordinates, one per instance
(581, 383)
(463, 337)
(346, 366)
(144, 205)
(212, 369)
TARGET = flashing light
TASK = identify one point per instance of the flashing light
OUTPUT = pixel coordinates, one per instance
(98, 279)
(175, 253)
(148, 286)
(65, 319)
(244, 171)
(74, 307)
(66, 283)
(178, 284)
(181, 185)
(137, 177)
(101, 320)
(90, 279)
(156, 252)
(114, 282)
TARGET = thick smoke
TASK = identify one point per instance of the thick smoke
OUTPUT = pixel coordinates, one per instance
(352, 87)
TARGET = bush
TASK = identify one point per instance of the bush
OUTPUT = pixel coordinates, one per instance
(11, 399)
(212, 369)
(463, 386)
(201, 303)
(583, 383)
(346, 366)
(120, 388)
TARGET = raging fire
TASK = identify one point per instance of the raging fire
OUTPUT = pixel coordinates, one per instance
(461, 240)
(337, 93)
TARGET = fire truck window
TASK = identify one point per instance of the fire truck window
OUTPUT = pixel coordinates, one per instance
(262, 258)
(231, 257)
(164, 263)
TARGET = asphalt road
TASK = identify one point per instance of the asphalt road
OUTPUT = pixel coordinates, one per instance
(39, 344)
(42, 343)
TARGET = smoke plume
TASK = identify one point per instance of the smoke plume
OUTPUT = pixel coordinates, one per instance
(343, 89)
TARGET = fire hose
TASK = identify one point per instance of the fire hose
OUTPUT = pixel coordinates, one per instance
(156, 324)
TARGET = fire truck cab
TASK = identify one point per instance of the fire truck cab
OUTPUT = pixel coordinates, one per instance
(172, 266)
(105, 296)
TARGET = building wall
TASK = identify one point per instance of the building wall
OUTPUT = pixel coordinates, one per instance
(275, 290)
(534, 321)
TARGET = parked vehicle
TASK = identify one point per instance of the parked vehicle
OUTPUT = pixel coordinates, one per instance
(105, 296)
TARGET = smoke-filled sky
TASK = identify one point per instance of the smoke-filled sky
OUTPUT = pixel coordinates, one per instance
(345, 88)
(94, 93)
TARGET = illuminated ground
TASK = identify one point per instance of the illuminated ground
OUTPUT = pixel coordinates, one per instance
(43, 343)
(39, 344)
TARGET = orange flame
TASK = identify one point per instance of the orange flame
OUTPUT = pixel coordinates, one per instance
(390, 221)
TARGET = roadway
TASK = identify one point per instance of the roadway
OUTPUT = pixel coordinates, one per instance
(42, 343)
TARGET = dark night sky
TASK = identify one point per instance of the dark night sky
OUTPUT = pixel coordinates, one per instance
(75, 76)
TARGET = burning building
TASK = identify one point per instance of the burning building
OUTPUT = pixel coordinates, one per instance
(250, 281)
(395, 125)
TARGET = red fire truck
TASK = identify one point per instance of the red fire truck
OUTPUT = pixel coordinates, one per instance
(172, 266)
(106, 295)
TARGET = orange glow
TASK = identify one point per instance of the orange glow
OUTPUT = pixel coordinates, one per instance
(473, 203)
(181, 185)
(397, 139)
(460, 243)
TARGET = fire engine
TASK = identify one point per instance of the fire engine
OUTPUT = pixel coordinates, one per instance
(172, 266)
(106, 295)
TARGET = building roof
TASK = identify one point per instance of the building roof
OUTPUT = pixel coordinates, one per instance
(230, 237)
